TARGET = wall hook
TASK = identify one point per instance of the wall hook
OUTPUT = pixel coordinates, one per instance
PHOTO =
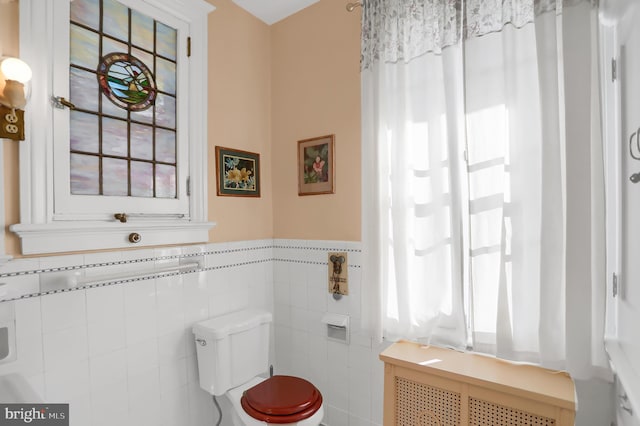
(351, 6)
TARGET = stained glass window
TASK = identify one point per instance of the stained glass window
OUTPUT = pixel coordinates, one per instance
(126, 81)
(123, 83)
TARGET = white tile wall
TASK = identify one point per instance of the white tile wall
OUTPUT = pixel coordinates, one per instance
(124, 353)
(350, 377)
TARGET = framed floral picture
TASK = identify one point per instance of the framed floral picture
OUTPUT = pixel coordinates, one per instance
(316, 166)
(238, 172)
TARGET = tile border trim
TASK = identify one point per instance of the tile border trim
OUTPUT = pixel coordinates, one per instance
(172, 273)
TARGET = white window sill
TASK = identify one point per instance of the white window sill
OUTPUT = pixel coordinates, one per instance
(73, 236)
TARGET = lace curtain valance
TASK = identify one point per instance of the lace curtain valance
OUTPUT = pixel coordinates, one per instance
(400, 30)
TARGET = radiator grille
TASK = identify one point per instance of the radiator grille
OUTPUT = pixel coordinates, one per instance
(421, 405)
(484, 413)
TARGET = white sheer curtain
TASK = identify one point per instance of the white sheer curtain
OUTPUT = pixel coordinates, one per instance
(464, 175)
(413, 185)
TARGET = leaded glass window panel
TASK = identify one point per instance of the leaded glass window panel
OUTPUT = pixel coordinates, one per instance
(84, 134)
(166, 76)
(84, 89)
(122, 80)
(142, 179)
(141, 141)
(142, 28)
(165, 181)
(84, 174)
(117, 171)
(115, 20)
(166, 145)
(114, 137)
(87, 13)
(166, 42)
(84, 47)
(111, 45)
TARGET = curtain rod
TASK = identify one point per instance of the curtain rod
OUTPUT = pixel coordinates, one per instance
(352, 6)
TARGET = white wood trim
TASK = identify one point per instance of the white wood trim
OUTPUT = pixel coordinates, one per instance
(189, 10)
(198, 105)
(77, 236)
(615, 19)
(3, 257)
(40, 230)
(36, 174)
(626, 373)
(611, 132)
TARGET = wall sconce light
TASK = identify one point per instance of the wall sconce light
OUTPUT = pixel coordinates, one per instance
(14, 74)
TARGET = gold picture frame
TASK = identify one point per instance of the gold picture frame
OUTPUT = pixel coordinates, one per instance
(238, 172)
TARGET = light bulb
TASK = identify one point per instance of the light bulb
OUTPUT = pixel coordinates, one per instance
(16, 70)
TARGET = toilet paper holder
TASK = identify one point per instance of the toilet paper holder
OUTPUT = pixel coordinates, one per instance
(337, 327)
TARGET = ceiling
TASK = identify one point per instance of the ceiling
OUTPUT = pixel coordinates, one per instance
(272, 11)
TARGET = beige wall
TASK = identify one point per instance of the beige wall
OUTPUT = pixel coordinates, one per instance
(268, 88)
(315, 92)
(11, 197)
(9, 47)
(9, 29)
(239, 116)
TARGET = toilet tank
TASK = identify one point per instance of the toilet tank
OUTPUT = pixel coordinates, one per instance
(232, 349)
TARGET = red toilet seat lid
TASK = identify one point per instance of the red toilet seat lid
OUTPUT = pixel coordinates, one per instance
(282, 399)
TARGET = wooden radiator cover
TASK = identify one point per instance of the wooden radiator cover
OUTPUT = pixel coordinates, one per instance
(431, 386)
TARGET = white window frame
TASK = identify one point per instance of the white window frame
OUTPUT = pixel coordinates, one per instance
(42, 229)
(68, 206)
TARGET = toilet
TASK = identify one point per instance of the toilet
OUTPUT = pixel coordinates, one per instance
(232, 351)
